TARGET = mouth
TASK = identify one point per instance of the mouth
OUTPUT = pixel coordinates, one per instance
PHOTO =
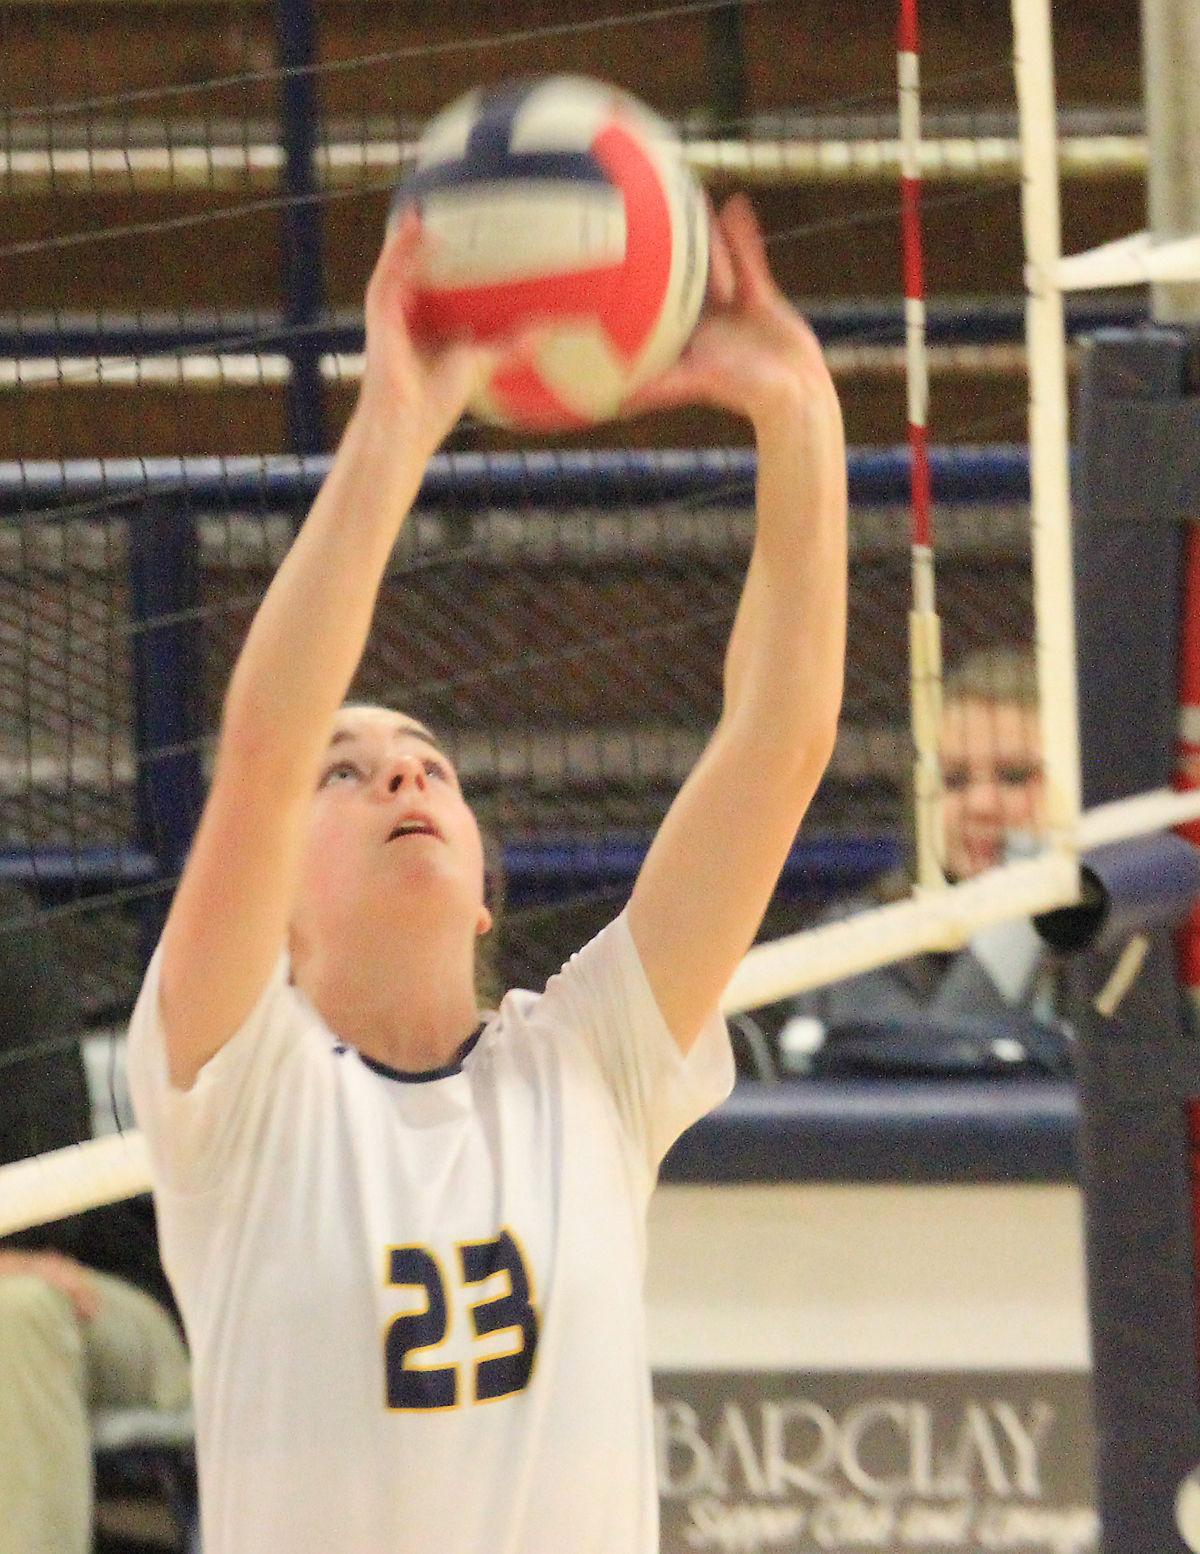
(414, 826)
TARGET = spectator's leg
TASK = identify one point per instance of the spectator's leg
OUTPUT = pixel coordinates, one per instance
(134, 1354)
(45, 1442)
(136, 1359)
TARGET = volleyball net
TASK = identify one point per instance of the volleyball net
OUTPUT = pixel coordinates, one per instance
(558, 614)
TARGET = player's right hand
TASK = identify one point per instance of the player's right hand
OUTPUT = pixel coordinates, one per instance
(427, 387)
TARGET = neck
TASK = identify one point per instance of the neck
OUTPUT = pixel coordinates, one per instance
(406, 1002)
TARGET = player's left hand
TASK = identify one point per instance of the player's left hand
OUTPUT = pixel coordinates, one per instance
(751, 351)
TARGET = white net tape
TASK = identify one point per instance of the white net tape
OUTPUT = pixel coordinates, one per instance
(67, 1181)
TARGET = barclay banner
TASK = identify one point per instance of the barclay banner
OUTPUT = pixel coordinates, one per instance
(836, 1463)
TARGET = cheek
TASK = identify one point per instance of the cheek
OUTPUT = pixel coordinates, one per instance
(468, 844)
(952, 809)
(1018, 805)
(330, 857)
(1028, 802)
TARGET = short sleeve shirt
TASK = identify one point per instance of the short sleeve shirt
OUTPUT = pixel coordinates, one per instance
(415, 1305)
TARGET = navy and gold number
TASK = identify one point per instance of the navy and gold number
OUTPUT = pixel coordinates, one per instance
(409, 1383)
(416, 1384)
(502, 1374)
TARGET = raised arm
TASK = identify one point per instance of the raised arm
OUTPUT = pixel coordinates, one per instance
(709, 875)
(229, 917)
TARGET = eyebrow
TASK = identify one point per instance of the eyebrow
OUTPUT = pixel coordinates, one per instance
(346, 735)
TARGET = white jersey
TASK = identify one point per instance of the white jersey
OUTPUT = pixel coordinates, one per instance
(415, 1304)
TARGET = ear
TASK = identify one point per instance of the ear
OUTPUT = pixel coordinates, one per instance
(483, 923)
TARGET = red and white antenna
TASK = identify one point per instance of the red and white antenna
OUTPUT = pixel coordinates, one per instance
(924, 628)
(1187, 748)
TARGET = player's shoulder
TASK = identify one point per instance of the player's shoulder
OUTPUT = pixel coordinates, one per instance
(566, 998)
(282, 1025)
(534, 1026)
(524, 1016)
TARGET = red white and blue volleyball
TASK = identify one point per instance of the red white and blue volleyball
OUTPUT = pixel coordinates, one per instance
(566, 204)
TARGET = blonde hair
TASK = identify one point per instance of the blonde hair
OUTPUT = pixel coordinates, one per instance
(994, 674)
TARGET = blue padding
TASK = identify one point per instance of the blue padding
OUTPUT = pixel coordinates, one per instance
(872, 1131)
(540, 871)
(99, 867)
(465, 482)
(164, 335)
(555, 869)
(1130, 887)
(961, 321)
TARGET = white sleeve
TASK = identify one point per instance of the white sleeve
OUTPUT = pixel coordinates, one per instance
(193, 1135)
(603, 998)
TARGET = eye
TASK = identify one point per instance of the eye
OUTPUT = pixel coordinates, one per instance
(954, 778)
(333, 775)
(1015, 774)
(436, 768)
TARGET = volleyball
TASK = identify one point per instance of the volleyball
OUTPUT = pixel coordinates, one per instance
(566, 204)
(1187, 1510)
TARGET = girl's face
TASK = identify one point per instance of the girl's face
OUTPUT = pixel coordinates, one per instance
(992, 782)
(391, 840)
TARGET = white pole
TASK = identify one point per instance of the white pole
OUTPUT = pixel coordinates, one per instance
(72, 1180)
(934, 920)
(1049, 436)
(1171, 76)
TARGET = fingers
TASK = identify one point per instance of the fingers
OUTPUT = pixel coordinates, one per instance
(398, 262)
(684, 384)
(522, 345)
(659, 395)
(722, 283)
(405, 231)
(747, 251)
(514, 349)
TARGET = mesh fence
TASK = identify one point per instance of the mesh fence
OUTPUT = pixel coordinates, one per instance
(571, 662)
(571, 657)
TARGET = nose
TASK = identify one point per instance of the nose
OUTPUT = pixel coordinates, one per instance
(405, 770)
(982, 794)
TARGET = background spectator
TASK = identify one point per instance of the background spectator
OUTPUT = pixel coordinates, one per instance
(84, 1315)
(991, 1005)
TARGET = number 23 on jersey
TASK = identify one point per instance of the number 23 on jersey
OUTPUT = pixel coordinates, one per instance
(413, 1379)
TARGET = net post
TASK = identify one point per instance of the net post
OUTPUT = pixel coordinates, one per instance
(924, 623)
(1171, 63)
(163, 596)
(725, 57)
(1138, 1068)
(1049, 446)
(300, 223)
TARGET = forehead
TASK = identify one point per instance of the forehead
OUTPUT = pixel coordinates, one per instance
(985, 726)
(366, 723)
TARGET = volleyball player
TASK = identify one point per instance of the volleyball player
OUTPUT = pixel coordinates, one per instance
(994, 1004)
(408, 1240)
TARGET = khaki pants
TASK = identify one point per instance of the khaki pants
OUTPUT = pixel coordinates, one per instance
(53, 1369)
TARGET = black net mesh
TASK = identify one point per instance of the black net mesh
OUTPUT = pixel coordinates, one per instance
(569, 655)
